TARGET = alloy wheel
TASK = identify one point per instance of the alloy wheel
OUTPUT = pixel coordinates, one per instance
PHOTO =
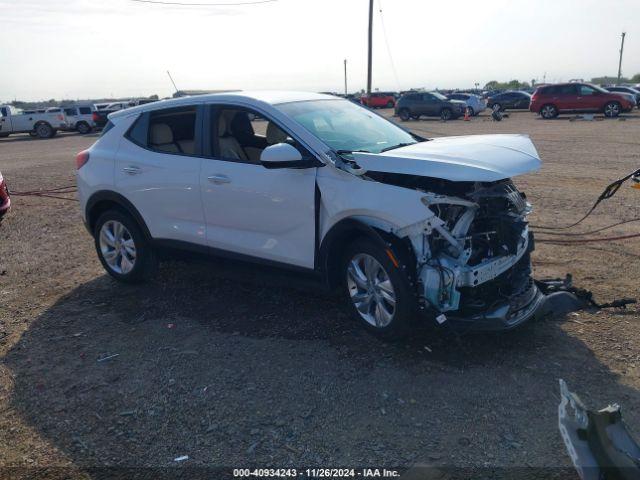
(548, 111)
(371, 290)
(612, 110)
(117, 247)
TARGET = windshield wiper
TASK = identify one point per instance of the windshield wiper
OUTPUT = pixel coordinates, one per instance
(347, 152)
(393, 147)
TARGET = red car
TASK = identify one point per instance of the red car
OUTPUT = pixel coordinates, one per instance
(551, 100)
(378, 100)
(5, 199)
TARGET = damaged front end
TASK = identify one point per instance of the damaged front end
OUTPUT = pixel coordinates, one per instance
(472, 251)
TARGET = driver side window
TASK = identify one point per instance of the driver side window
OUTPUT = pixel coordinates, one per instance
(585, 90)
(241, 135)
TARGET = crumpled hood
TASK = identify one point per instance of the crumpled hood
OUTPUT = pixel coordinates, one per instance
(472, 158)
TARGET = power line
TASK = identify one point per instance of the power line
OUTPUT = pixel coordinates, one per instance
(181, 4)
(386, 41)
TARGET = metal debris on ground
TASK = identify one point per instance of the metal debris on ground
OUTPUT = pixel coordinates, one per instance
(598, 443)
(109, 357)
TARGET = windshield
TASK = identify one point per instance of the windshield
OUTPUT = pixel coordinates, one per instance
(345, 126)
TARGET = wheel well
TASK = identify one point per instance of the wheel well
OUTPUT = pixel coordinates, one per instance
(102, 202)
(348, 231)
(547, 105)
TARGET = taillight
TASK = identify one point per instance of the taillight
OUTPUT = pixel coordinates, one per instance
(82, 158)
(60, 117)
(94, 116)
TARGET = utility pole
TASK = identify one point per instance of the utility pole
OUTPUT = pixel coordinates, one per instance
(345, 77)
(370, 46)
(620, 62)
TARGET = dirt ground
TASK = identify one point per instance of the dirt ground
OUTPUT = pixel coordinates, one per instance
(240, 368)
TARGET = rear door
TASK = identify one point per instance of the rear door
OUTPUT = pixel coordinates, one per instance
(158, 170)
(567, 98)
(249, 209)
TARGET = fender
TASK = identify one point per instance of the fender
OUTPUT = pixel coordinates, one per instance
(349, 228)
(122, 202)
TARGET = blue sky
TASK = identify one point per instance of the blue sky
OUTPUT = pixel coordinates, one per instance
(96, 48)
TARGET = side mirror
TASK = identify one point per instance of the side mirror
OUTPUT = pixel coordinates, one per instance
(281, 155)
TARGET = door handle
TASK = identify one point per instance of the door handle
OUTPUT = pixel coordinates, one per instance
(132, 170)
(219, 179)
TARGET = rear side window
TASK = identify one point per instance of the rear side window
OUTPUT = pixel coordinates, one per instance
(70, 111)
(171, 130)
(413, 97)
(85, 110)
(106, 128)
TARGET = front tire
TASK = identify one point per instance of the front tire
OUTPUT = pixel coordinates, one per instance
(612, 109)
(377, 290)
(471, 111)
(404, 114)
(122, 248)
(390, 104)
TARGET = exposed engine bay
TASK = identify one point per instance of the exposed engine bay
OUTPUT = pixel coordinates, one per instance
(473, 250)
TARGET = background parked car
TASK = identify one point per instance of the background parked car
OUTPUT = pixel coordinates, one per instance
(514, 100)
(430, 104)
(80, 118)
(378, 100)
(5, 198)
(551, 100)
(474, 103)
(39, 123)
(623, 89)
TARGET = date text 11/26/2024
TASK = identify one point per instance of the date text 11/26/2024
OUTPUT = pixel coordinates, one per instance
(315, 473)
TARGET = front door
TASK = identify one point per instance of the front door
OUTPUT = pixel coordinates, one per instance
(249, 209)
(589, 98)
(5, 120)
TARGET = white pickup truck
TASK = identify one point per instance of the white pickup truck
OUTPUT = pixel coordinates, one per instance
(38, 124)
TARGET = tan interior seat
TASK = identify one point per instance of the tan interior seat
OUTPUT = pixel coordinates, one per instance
(161, 138)
(229, 145)
(275, 134)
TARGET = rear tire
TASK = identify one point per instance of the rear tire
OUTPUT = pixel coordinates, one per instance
(548, 112)
(44, 130)
(123, 249)
(378, 292)
(612, 109)
(390, 104)
(445, 114)
(404, 114)
(471, 111)
(497, 107)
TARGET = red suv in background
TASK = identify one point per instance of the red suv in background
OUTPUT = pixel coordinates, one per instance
(378, 100)
(551, 100)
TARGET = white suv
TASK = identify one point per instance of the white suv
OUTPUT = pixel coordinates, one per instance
(408, 228)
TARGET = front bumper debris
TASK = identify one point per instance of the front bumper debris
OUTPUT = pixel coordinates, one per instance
(598, 443)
